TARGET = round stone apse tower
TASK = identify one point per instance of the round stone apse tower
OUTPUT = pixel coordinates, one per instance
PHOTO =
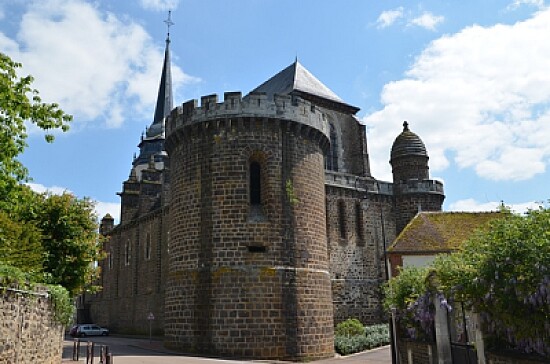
(248, 271)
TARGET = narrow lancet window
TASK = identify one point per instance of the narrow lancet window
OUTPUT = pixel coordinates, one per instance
(331, 159)
(255, 184)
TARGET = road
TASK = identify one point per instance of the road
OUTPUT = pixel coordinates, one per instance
(142, 351)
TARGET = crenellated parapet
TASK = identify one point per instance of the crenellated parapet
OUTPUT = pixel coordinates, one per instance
(420, 186)
(254, 105)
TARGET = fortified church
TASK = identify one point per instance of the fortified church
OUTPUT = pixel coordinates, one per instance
(251, 225)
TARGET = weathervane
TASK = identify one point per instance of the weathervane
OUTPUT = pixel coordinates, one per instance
(169, 23)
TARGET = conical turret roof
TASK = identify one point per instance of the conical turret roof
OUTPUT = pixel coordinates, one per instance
(408, 143)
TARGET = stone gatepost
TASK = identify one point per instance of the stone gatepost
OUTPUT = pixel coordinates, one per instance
(442, 337)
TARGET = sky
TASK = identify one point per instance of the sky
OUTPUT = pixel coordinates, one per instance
(471, 77)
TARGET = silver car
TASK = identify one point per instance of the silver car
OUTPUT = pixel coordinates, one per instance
(91, 330)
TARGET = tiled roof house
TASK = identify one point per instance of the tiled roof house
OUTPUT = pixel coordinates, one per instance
(432, 233)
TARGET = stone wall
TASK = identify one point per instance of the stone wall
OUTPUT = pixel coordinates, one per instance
(417, 352)
(133, 285)
(28, 333)
(513, 358)
(356, 251)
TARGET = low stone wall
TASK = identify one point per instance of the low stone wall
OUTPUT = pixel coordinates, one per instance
(513, 358)
(417, 352)
(28, 333)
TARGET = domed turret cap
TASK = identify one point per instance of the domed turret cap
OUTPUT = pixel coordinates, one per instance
(408, 143)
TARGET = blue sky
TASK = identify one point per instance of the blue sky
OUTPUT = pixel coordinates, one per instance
(471, 77)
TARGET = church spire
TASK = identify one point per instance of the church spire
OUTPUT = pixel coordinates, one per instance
(164, 97)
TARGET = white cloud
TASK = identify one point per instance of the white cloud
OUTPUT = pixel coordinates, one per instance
(159, 5)
(93, 60)
(388, 17)
(56, 190)
(475, 206)
(427, 20)
(111, 208)
(480, 97)
(517, 3)
(101, 208)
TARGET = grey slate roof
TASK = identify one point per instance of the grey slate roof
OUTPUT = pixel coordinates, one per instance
(407, 143)
(297, 78)
(153, 143)
(164, 98)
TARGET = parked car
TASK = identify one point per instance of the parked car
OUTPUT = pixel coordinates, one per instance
(91, 330)
(73, 329)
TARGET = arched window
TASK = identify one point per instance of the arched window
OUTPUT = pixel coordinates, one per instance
(110, 259)
(148, 247)
(331, 159)
(255, 184)
(127, 253)
(359, 222)
(342, 218)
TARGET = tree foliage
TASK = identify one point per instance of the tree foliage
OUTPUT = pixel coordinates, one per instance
(70, 240)
(53, 238)
(503, 273)
(21, 245)
(20, 103)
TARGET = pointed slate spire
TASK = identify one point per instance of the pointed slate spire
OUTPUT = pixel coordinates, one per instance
(164, 97)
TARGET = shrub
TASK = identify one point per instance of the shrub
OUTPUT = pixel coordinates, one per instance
(350, 327)
(370, 337)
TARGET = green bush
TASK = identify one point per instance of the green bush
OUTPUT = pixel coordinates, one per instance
(370, 337)
(350, 327)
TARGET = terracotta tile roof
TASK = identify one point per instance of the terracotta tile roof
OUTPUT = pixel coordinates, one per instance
(433, 232)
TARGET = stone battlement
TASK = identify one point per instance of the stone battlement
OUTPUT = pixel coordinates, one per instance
(255, 105)
(360, 184)
(420, 186)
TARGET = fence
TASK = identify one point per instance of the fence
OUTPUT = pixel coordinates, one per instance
(105, 356)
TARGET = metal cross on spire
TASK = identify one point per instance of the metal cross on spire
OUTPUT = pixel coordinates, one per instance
(169, 23)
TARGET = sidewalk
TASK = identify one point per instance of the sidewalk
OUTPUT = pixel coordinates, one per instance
(379, 355)
(140, 350)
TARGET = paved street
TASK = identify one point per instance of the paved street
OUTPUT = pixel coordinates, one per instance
(143, 351)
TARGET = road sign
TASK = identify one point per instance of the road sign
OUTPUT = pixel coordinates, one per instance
(150, 316)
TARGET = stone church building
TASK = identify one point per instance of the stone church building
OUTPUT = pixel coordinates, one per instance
(251, 225)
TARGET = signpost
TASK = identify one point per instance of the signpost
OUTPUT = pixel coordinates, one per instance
(150, 318)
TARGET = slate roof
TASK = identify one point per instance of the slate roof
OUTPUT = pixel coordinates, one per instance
(439, 232)
(164, 97)
(407, 143)
(297, 79)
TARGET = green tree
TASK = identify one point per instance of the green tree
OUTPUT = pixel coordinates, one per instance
(70, 240)
(502, 272)
(54, 235)
(21, 245)
(20, 103)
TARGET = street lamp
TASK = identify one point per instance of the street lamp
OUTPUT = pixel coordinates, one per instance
(393, 336)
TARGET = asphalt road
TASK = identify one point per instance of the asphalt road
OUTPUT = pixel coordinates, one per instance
(144, 351)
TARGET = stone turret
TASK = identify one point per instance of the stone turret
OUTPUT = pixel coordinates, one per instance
(248, 257)
(413, 189)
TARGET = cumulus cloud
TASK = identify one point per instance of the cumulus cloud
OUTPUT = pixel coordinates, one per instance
(388, 17)
(471, 205)
(159, 5)
(101, 208)
(111, 208)
(427, 20)
(517, 3)
(479, 98)
(56, 190)
(94, 60)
